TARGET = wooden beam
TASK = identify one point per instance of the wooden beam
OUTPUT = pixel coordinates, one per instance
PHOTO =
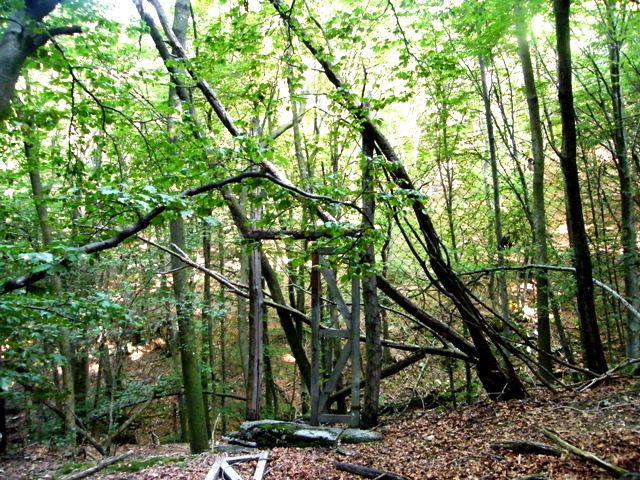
(259, 234)
(355, 352)
(315, 338)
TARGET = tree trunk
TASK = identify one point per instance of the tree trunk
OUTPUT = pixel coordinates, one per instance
(539, 215)
(589, 330)
(190, 361)
(22, 36)
(503, 299)
(628, 220)
(64, 342)
(207, 320)
(223, 332)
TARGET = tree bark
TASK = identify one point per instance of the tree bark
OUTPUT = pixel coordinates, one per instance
(589, 330)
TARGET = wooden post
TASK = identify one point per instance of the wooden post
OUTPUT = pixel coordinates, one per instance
(256, 309)
(315, 337)
(256, 301)
(355, 352)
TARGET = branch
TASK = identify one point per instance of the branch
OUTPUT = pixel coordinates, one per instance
(428, 321)
(556, 268)
(98, 467)
(124, 234)
(180, 255)
(258, 234)
(177, 47)
(393, 369)
(41, 39)
(614, 470)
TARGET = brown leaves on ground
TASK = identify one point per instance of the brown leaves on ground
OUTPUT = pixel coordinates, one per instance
(456, 444)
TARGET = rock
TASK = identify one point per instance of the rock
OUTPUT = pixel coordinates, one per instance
(271, 433)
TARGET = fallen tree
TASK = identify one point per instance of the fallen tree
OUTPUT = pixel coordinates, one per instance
(273, 433)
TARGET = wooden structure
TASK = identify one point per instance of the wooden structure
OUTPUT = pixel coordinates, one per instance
(222, 468)
(322, 390)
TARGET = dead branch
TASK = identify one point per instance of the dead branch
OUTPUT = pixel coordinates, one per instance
(519, 446)
(614, 470)
(368, 472)
(608, 374)
(98, 467)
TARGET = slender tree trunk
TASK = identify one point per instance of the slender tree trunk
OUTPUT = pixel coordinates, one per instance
(207, 319)
(223, 331)
(628, 220)
(495, 184)
(64, 341)
(4, 439)
(539, 215)
(590, 332)
(190, 361)
(373, 343)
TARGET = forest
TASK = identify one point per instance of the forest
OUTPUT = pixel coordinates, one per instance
(391, 215)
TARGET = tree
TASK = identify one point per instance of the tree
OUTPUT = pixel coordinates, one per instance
(589, 330)
(539, 215)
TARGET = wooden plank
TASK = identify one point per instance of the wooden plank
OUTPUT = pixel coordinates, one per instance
(336, 296)
(256, 308)
(332, 383)
(228, 472)
(355, 352)
(315, 338)
(242, 458)
(335, 418)
(262, 466)
(214, 471)
(334, 333)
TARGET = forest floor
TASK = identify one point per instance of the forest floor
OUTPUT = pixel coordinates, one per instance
(420, 444)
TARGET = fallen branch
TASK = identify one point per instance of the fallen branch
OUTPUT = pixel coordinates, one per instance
(614, 470)
(607, 374)
(368, 472)
(557, 268)
(527, 447)
(98, 467)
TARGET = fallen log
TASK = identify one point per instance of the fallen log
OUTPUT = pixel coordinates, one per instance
(368, 472)
(614, 470)
(536, 448)
(272, 433)
(98, 467)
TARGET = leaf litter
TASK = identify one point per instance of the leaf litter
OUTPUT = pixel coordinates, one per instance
(428, 444)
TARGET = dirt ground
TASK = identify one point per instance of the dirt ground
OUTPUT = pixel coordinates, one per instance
(425, 444)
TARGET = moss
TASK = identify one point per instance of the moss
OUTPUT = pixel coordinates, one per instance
(69, 467)
(139, 464)
(130, 466)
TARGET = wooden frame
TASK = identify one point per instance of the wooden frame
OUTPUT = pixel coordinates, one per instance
(320, 392)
